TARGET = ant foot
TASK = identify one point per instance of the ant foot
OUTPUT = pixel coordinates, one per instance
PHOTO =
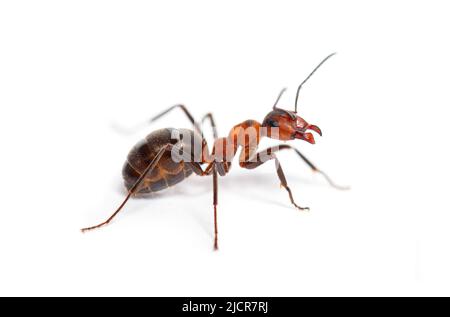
(301, 208)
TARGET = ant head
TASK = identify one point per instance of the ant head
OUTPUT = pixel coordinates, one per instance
(286, 125)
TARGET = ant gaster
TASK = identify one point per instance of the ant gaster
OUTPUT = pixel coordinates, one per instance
(162, 160)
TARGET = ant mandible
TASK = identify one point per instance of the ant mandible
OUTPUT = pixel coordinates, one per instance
(168, 156)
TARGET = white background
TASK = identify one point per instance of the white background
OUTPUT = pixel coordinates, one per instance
(79, 79)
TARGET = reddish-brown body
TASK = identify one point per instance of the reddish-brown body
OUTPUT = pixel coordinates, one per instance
(168, 173)
(168, 156)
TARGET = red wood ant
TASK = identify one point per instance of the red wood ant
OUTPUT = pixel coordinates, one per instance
(168, 156)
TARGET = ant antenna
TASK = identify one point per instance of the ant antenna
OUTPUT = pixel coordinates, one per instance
(300, 86)
(278, 98)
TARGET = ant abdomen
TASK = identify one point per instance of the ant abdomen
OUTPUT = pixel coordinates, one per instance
(168, 171)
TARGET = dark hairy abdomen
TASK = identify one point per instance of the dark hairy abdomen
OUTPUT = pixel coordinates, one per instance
(166, 173)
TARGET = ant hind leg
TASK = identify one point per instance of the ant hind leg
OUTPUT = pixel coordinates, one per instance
(135, 187)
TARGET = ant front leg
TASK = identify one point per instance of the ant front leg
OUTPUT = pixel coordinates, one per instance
(264, 156)
(307, 161)
(211, 169)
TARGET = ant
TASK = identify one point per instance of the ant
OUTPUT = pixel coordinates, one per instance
(167, 156)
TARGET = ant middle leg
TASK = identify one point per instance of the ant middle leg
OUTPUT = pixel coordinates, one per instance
(197, 169)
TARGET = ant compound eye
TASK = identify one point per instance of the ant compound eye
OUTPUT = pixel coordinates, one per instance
(273, 123)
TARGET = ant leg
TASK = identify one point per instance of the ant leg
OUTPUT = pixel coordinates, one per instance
(134, 189)
(186, 112)
(211, 168)
(307, 161)
(215, 189)
(251, 164)
(285, 185)
(210, 117)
